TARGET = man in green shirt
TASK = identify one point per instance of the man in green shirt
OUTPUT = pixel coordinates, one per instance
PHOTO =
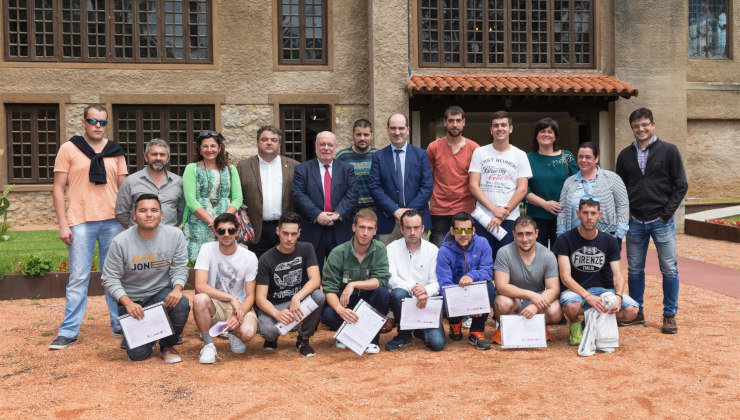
(356, 269)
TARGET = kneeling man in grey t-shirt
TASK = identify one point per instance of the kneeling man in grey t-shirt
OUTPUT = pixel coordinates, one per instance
(526, 276)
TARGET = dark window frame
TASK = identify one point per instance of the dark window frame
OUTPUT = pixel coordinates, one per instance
(134, 150)
(307, 145)
(302, 35)
(695, 7)
(62, 39)
(507, 57)
(35, 143)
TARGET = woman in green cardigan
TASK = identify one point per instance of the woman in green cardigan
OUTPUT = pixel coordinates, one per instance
(211, 186)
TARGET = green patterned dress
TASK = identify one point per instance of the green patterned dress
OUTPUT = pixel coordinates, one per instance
(213, 193)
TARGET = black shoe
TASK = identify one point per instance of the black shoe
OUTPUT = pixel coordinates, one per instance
(60, 343)
(269, 345)
(639, 319)
(398, 341)
(118, 333)
(456, 331)
(179, 340)
(476, 338)
(123, 343)
(303, 347)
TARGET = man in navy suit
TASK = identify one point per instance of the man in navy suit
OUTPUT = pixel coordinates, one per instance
(326, 216)
(400, 180)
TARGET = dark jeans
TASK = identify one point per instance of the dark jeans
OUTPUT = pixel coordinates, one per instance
(547, 228)
(479, 323)
(268, 239)
(434, 338)
(327, 242)
(440, 228)
(495, 244)
(178, 315)
(378, 298)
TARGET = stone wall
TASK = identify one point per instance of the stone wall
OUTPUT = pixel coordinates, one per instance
(239, 126)
(31, 208)
(344, 117)
(713, 166)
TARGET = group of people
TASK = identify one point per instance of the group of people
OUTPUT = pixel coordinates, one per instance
(352, 225)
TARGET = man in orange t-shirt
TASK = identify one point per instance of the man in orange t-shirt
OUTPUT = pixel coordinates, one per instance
(449, 157)
(92, 168)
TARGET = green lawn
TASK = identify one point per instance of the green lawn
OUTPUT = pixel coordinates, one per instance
(43, 243)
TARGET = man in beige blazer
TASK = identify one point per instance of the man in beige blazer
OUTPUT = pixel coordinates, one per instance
(266, 181)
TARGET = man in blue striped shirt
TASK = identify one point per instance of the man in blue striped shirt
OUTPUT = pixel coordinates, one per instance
(360, 156)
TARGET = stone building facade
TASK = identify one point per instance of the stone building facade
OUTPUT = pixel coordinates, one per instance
(306, 65)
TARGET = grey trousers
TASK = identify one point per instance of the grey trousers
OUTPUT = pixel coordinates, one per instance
(267, 324)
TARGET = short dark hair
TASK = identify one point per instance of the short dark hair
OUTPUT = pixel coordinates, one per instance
(367, 214)
(411, 213)
(388, 124)
(362, 123)
(289, 217)
(588, 202)
(462, 217)
(501, 114)
(97, 107)
(454, 110)
(272, 129)
(225, 217)
(146, 196)
(590, 145)
(525, 220)
(641, 113)
(541, 125)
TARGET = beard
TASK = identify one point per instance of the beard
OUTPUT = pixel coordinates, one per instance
(157, 166)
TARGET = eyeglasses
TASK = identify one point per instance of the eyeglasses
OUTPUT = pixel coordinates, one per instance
(209, 133)
(590, 197)
(642, 125)
(222, 231)
(94, 121)
(461, 230)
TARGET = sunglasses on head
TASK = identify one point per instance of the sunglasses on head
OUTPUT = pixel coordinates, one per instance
(590, 197)
(209, 133)
(461, 230)
(222, 231)
(94, 121)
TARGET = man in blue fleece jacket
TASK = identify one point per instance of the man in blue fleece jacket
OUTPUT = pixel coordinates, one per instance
(465, 258)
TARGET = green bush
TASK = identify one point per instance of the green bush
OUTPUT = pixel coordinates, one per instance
(36, 266)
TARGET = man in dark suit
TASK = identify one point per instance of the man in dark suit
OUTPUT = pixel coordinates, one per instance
(267, 181)
(392, 197)
(325, 194)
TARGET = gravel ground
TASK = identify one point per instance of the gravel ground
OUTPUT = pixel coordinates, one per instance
(722, 253)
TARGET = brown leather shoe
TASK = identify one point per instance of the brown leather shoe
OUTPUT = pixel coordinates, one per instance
(390, 323)
(669, 325)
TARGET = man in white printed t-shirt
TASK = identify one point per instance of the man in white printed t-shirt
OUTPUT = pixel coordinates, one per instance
(499, 174)
(225, 289)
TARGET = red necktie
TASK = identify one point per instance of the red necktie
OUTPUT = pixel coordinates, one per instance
(327, 189)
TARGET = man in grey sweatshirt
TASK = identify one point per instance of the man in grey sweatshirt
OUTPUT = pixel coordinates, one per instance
(147, 264)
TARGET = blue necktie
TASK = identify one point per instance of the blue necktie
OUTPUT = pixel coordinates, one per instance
(399, 178)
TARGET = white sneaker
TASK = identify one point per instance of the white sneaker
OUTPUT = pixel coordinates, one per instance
(208, 354)
(237, 345)
(338, 344)
(372, 349)
(467, 323)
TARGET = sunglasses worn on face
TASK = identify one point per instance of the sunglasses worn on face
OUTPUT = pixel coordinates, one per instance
(93, 121)
(222, 231)
(461, 230)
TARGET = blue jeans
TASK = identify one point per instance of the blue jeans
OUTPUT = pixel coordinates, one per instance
(377, 298)
(178, 315)
(80, 261)
(664, 237)
(569, 296)
(478, 324)
(495, 244)
(434, 338)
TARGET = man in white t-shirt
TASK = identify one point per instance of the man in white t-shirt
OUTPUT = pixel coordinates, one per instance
(499, 174)
(225, 287)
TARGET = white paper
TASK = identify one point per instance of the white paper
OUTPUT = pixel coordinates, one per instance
(308, 305)
(413, 318)
(484, 216)
(470, 300)
(153, 326)
(518, 332)
(358, 336)
(218, 328)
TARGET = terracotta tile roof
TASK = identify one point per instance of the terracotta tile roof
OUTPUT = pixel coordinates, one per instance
(521, 84)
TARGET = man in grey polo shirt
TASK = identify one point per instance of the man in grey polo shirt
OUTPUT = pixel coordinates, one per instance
(153, 179)
(526, 276)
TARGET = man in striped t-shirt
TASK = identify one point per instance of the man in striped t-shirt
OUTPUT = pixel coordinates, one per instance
(360, 156)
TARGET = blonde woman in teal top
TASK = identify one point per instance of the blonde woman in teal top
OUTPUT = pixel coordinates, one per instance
(551, 166)
(211, 186)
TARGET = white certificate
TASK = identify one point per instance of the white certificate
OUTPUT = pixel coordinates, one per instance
(358, 336)
(468, 300)
(484, 216)
(518, 332)
(154, 325)
(413, 318)
(308, 305)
